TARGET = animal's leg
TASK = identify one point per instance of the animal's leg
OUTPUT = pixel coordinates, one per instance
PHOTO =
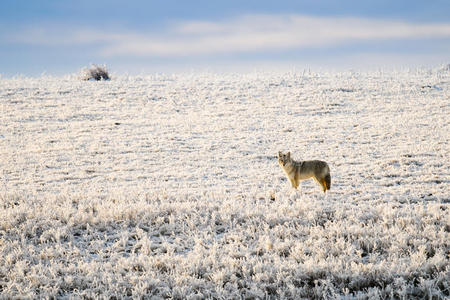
(324, 185)
(293, 183)
(318, 181)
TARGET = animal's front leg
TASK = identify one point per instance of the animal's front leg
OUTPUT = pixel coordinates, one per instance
(293, 183)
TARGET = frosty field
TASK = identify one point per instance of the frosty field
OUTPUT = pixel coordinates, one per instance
(168, 186)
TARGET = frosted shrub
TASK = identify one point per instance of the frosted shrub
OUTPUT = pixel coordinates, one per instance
(96, 72)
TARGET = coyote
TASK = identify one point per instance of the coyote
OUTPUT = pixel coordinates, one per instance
(301, 170)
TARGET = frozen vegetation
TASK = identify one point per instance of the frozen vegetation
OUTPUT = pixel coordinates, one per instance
(168, 186)
(95, 72)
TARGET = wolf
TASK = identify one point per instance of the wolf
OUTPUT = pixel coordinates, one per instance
(301, 170)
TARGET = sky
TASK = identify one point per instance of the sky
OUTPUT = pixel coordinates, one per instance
(58, 37)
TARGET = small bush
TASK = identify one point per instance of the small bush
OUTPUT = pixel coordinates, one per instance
(96, 72)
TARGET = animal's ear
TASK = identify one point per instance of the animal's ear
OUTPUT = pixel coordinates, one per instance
(289, 154)
(279, 153)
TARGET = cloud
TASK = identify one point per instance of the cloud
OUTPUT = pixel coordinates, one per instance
(245, 34)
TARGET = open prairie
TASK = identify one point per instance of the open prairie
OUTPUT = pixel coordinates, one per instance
(168, 186)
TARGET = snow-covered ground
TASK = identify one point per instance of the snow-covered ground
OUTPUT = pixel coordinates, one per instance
(168, 186)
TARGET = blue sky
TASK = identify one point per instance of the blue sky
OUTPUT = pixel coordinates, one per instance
(60, 37)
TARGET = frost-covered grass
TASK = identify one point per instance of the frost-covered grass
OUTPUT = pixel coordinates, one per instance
(168, 186)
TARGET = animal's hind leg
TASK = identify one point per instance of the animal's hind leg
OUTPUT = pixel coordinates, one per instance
(324, 185)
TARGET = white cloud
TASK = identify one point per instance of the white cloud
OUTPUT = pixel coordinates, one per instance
(246, 34)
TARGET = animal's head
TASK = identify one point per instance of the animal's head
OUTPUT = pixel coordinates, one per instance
(283, 158)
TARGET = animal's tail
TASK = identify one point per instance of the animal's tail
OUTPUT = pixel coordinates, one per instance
(328, 181)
